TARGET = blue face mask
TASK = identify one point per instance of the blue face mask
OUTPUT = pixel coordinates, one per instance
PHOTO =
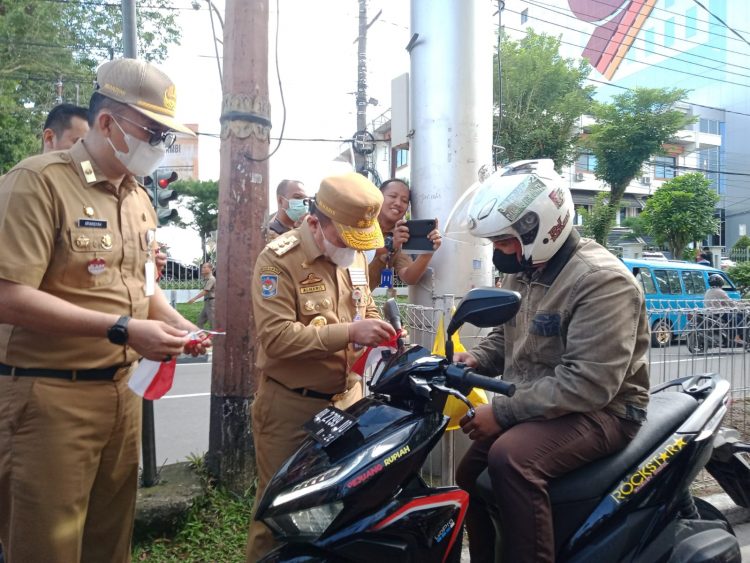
(297, 209)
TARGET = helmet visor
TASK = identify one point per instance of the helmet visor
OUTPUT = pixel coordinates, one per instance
(459, 224)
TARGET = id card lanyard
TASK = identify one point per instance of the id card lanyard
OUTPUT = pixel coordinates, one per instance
(386, 274)
(150, 266)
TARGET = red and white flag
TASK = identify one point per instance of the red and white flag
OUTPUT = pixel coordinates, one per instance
(372, 355)
(151, 380)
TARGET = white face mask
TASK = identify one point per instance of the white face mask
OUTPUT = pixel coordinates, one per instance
(342, 257)
(142, 158)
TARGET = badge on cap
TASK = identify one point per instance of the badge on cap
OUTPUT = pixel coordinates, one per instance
(268, 284)
(96, 266)
(319, 321)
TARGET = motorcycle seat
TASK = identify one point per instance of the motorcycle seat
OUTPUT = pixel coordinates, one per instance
(666, 411)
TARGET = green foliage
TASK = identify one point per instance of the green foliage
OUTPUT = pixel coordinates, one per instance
(190, 311)
(202, 199)
(742, 243)
(598, 216)
(740, 275)
(681, 211)
(627, 133)
(636, 224)
(542, 96)
(43, 43)
(214, 529)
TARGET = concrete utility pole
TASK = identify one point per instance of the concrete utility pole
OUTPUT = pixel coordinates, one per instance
(243, 201)
(451, 116)
(360, 159)
(129, 37)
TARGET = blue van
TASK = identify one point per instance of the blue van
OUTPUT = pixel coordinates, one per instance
(671, 286)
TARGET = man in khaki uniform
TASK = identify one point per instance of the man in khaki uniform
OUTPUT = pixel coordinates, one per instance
(207, 293)
(78, 297)
(65, 124)
(291, 199)
(312, 306)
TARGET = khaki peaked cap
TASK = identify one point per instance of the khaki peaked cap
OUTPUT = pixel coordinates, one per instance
(352, 202)
(143, 87)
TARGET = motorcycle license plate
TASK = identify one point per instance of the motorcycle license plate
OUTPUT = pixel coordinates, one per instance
(329, 424)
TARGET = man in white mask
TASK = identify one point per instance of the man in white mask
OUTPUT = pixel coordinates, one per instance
(312, 308)
(78, 307)
(292, 201)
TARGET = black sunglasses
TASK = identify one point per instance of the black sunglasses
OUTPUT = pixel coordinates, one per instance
(154, 137)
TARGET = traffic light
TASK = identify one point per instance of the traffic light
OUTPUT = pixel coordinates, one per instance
(161, 196)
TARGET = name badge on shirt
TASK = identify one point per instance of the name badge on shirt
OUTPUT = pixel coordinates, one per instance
(93, 223)
(357, 276)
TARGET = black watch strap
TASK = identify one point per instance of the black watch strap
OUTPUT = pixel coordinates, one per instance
(118, 332)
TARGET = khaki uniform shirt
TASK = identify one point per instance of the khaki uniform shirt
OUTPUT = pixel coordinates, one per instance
(399, 261)
(303, 304)
(210, 288)
(67, 231)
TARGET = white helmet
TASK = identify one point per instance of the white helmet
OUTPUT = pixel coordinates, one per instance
(526, 200)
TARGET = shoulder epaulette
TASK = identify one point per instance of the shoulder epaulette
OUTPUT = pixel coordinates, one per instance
(284, 243)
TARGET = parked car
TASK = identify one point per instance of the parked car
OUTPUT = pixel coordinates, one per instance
(671, 288)
(727, 263)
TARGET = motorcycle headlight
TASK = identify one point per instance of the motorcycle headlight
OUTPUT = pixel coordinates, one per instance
(310, 522)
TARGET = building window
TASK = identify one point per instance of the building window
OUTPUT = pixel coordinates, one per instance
(711, 126)
(669, 32)
(691, 21)
(524, 16)
(402, 157)
(586, 162)
(664, 167)
(709, 163)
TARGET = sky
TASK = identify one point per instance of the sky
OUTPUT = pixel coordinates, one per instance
(317, 56)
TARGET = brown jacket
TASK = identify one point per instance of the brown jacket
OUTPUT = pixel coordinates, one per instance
(579, 343)
(303, 304)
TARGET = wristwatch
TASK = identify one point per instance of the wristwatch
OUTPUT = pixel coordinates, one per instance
(118, 332)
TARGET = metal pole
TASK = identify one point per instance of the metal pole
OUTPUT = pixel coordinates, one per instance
(129, 38)
(451, 116)
(360, 159)
(148, 445)
(243, 203)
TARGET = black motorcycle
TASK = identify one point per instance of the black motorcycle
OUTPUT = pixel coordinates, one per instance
(352, 492)
(716, 329)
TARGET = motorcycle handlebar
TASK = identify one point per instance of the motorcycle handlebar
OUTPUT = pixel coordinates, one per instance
(459, 376)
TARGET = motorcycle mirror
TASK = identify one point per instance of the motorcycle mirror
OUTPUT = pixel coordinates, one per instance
(391, 313)
(483, 307)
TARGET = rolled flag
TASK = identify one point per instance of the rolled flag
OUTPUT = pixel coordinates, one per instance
(151, 380)
(372, 355)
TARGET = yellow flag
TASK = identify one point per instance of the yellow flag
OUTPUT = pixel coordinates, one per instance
(454, 408)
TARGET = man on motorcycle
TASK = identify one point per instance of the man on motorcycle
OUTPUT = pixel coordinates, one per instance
(716, 298)
(576, 352)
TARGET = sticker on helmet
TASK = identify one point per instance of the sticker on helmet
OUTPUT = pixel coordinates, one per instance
(555, 231)
(558, 197)
(521, 197)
